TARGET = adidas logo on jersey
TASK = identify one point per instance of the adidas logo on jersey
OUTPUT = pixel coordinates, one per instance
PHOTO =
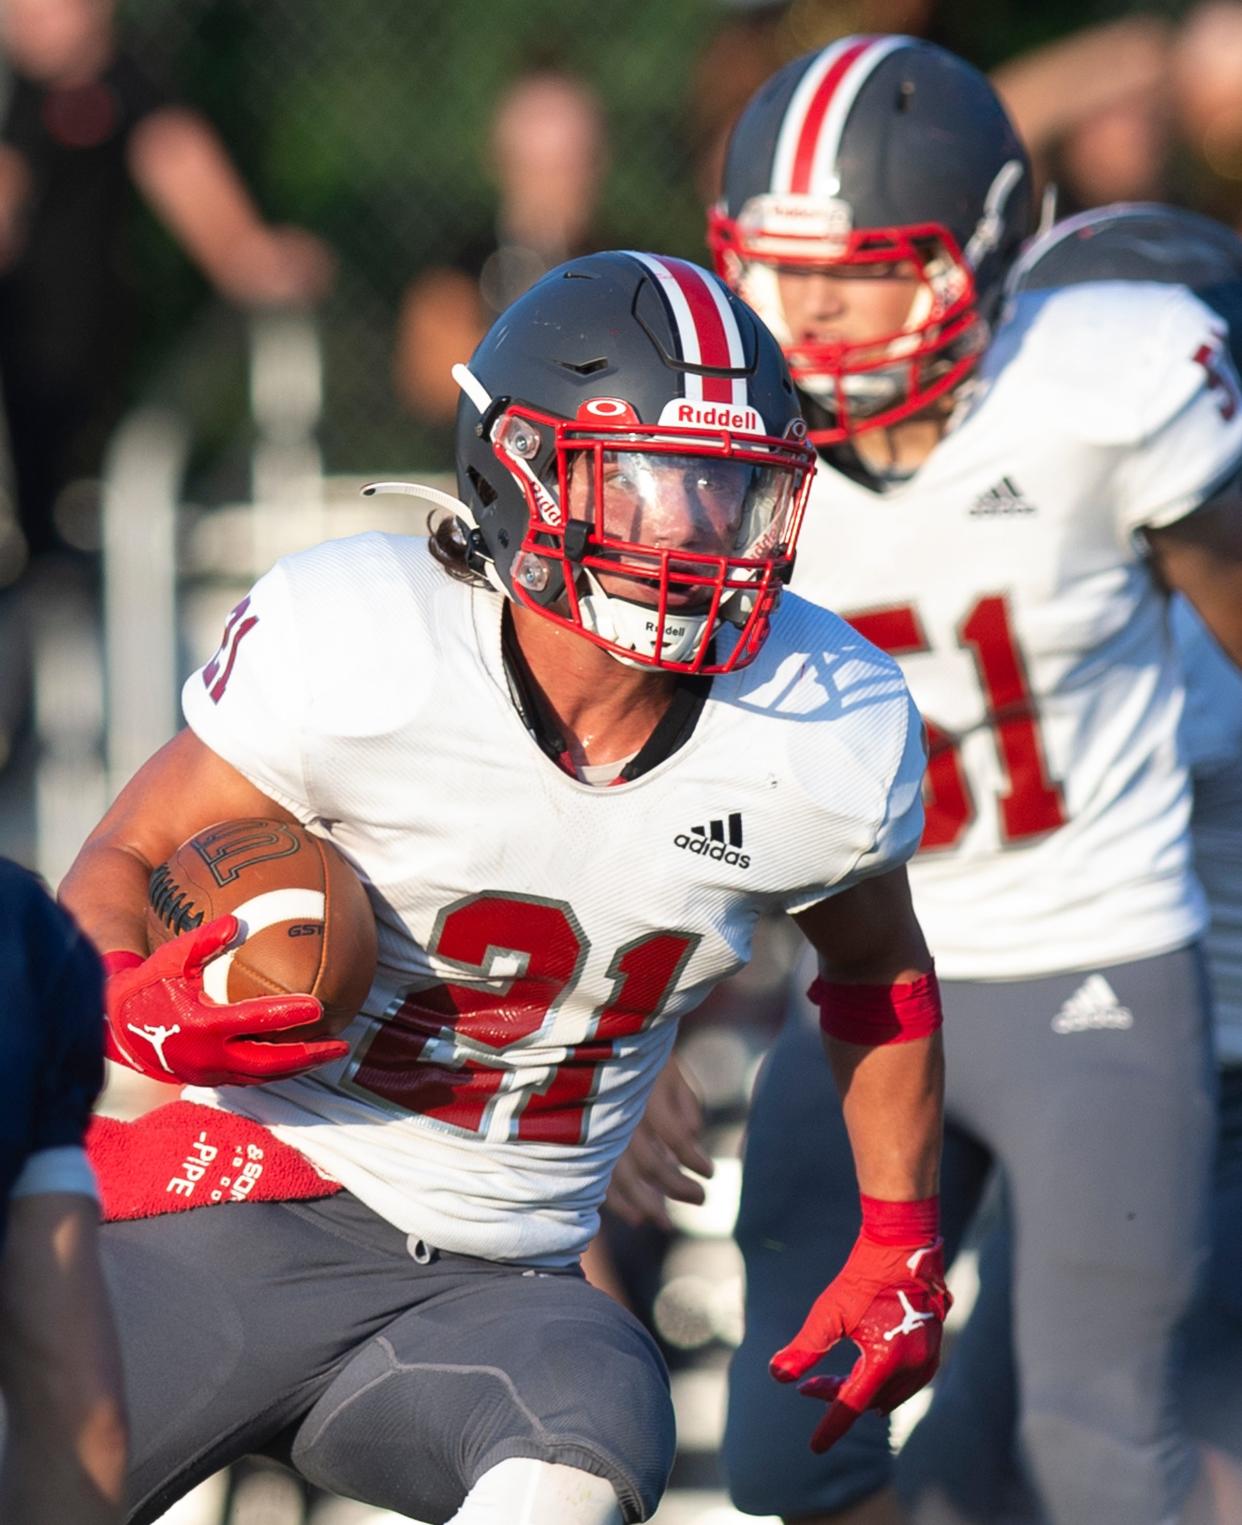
(1093, 1005)
(1005, 498)
(710, 841)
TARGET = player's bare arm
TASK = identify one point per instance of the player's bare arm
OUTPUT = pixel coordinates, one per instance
(1200, 556)
(182, 788)
(159, 1022)
(880, 1013)
(892, 1093)
(59, 1368)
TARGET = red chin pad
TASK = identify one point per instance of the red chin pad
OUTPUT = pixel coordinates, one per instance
(876, 1014)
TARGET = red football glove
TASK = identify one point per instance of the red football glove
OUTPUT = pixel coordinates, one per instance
(891, 1301)
(162, 1025)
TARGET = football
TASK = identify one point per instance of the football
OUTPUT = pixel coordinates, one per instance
(306, 923)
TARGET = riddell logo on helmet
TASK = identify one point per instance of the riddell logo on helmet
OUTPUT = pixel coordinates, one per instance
(711, 415)
(549, 508)
(775, 216)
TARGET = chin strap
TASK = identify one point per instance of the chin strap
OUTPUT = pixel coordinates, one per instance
(482, 563)
(990, 228)
(479, 396)
(630, 625)
(421, 490)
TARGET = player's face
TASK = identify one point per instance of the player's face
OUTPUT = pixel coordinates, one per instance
(668, 503)
(848, 304)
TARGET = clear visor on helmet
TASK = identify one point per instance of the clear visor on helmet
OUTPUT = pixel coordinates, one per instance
(651, 511)
(649, 538)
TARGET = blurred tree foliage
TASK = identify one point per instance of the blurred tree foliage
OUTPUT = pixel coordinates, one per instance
(367, 121)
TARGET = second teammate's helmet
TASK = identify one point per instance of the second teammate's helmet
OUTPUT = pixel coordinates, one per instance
(876, 151)
(631, 450)
(1141, 241)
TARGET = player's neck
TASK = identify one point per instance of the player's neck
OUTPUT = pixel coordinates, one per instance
(606, 709)
(903, 447)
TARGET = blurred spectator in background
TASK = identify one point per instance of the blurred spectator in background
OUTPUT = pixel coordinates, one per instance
(548, 156)
(1094, 111)
(1137, 109)
(64, 1452)
(1206, 79)
(82, 123)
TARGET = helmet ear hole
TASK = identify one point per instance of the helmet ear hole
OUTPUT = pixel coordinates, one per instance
(483, 488)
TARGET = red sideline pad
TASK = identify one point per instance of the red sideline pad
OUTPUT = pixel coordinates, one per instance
(186, 1155)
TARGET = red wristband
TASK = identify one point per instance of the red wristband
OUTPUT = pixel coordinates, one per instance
(121, 959)
(875, 1014)
(116, 962)
(900, 1222)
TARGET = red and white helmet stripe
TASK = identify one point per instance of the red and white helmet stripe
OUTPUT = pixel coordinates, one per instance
(707, 329)
(805, 162)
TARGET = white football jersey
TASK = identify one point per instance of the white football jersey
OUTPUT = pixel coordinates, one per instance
(1007, 576)
(538, 936)
(1212, 734)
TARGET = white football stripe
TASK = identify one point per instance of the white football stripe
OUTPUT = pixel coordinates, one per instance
(687, 329)
(254, 915)
(795, 115)
(824, 180)
(733, 336)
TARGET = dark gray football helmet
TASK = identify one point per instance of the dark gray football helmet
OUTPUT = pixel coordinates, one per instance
(632, 457)
(880, 151)
(1141, 241)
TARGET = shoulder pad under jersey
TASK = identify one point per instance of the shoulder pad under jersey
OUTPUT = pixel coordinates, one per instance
(1110, 362)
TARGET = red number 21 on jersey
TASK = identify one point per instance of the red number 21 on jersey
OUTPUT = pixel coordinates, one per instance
(439, 1051)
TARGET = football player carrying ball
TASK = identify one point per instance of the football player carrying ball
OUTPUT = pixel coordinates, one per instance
(513, 730)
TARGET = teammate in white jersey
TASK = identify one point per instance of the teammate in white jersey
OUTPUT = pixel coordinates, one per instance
(574, 748)
(1002, 503)
(964, 1450)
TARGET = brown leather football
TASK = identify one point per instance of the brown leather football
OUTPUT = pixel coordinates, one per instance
(306, 923)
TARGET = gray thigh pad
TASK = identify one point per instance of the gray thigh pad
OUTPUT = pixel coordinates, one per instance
(399, 1382)
(500, 1363)
(232, 1319)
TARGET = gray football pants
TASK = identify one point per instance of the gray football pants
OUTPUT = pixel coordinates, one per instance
(959, 1468)
(1102, 1134)
(307, 1331)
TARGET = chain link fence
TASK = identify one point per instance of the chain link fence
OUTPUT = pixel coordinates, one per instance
(367, 122)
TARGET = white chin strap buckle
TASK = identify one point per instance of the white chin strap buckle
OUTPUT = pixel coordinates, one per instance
(636, 626)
